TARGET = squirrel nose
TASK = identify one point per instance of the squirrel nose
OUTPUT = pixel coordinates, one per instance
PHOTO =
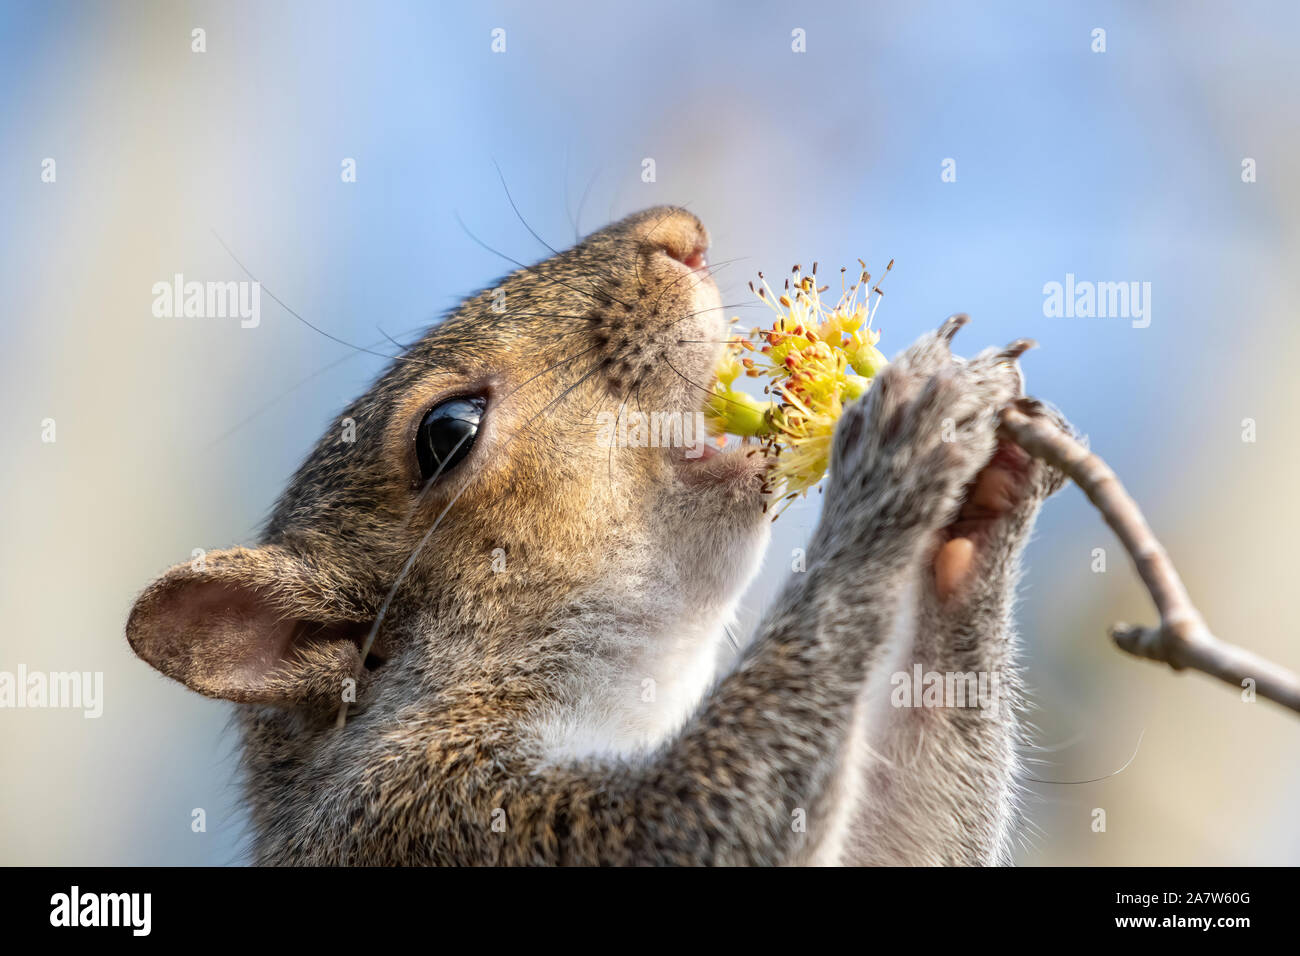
(694, 259)
(677, 232)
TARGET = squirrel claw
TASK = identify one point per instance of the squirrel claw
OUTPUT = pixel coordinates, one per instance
(951, 325)
(1018, 348)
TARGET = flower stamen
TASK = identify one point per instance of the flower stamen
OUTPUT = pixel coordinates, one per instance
(816, 357)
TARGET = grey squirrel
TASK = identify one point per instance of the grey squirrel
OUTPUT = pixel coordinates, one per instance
(544, 686)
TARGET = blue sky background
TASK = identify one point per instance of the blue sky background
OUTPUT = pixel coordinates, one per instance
(1115, 166)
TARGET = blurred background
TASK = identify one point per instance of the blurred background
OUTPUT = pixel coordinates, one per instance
(1124, 165)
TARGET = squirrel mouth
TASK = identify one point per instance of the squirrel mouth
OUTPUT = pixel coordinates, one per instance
(707, 451)
(732, 467)
(706, 464)
(703, 463)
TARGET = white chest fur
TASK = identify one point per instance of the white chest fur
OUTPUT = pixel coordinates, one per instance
(625, 703)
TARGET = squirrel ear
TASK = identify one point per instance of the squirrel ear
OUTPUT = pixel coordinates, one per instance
(249, 625)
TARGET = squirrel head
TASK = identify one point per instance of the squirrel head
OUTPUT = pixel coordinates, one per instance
(497, 480)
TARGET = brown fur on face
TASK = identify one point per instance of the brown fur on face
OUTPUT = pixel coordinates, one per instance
(595, 540)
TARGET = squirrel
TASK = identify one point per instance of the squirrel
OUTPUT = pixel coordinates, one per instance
(523, 624)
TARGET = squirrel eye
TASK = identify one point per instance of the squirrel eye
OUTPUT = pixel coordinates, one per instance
(446, 435)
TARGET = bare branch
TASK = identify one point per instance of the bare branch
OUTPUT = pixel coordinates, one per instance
(1182, 639)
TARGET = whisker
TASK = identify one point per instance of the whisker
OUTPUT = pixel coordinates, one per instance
(369, 643)
(511, 200)
(664, 290)
(719, 265)
(609, 458)
(707, 391)
(568, 206)
(548, 369)
(281, 395)
(527, 268)
(280, 302)
(1113, 773)
(393, 340)
(577, 224)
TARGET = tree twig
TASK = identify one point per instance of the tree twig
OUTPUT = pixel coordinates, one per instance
(1182, 639)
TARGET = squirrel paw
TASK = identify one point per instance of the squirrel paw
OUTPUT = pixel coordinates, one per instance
(998, 505)
(910, 447)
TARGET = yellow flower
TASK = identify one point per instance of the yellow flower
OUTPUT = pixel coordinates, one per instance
(815, 357)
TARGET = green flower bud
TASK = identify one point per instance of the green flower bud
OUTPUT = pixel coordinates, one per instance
(855, 386)
(867, 361)
(736, 413)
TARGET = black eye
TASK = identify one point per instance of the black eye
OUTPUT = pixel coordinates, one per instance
(447, 434)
